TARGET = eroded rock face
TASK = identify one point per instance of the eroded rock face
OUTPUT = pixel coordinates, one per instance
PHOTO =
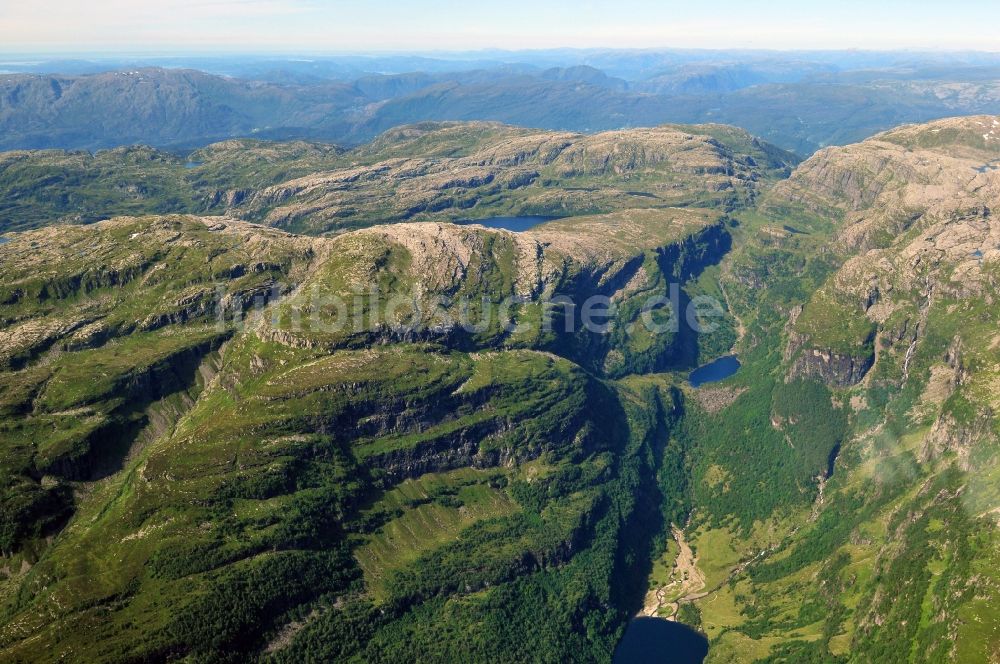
(427, 281)
(835, 369)
(899, 179)
(960, 438)
(917, 230)
(462, 450)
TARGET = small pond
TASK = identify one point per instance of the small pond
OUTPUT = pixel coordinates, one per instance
(714, 371)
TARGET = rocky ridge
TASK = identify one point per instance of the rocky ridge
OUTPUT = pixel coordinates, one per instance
(919, 226)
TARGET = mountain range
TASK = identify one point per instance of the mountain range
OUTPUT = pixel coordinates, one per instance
(200, 464)
(800, 102)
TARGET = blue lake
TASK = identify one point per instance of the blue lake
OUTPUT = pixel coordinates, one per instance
(720, 369)
(516, 224)
(3, 239)
(659, 641)
(192, 164)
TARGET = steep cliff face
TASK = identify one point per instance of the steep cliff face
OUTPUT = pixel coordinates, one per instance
(948, 435)
(835, 369)
(469, 287)
(917, 235)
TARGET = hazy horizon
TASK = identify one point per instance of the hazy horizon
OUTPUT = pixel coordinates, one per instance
(459, 53)
(172, 27)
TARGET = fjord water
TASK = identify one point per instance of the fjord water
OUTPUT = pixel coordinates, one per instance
(659, 641)
(516, 224)
(714, 371)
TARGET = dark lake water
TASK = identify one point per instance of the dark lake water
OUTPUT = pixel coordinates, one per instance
(516, 224)
(720, 369)
(658, 641)
(831, 461)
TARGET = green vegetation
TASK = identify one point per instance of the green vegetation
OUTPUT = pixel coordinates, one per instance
(249, 496)
(176, 485)
(832, 324)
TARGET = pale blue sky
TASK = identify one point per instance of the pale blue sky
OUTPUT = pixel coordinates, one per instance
(313, 26)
